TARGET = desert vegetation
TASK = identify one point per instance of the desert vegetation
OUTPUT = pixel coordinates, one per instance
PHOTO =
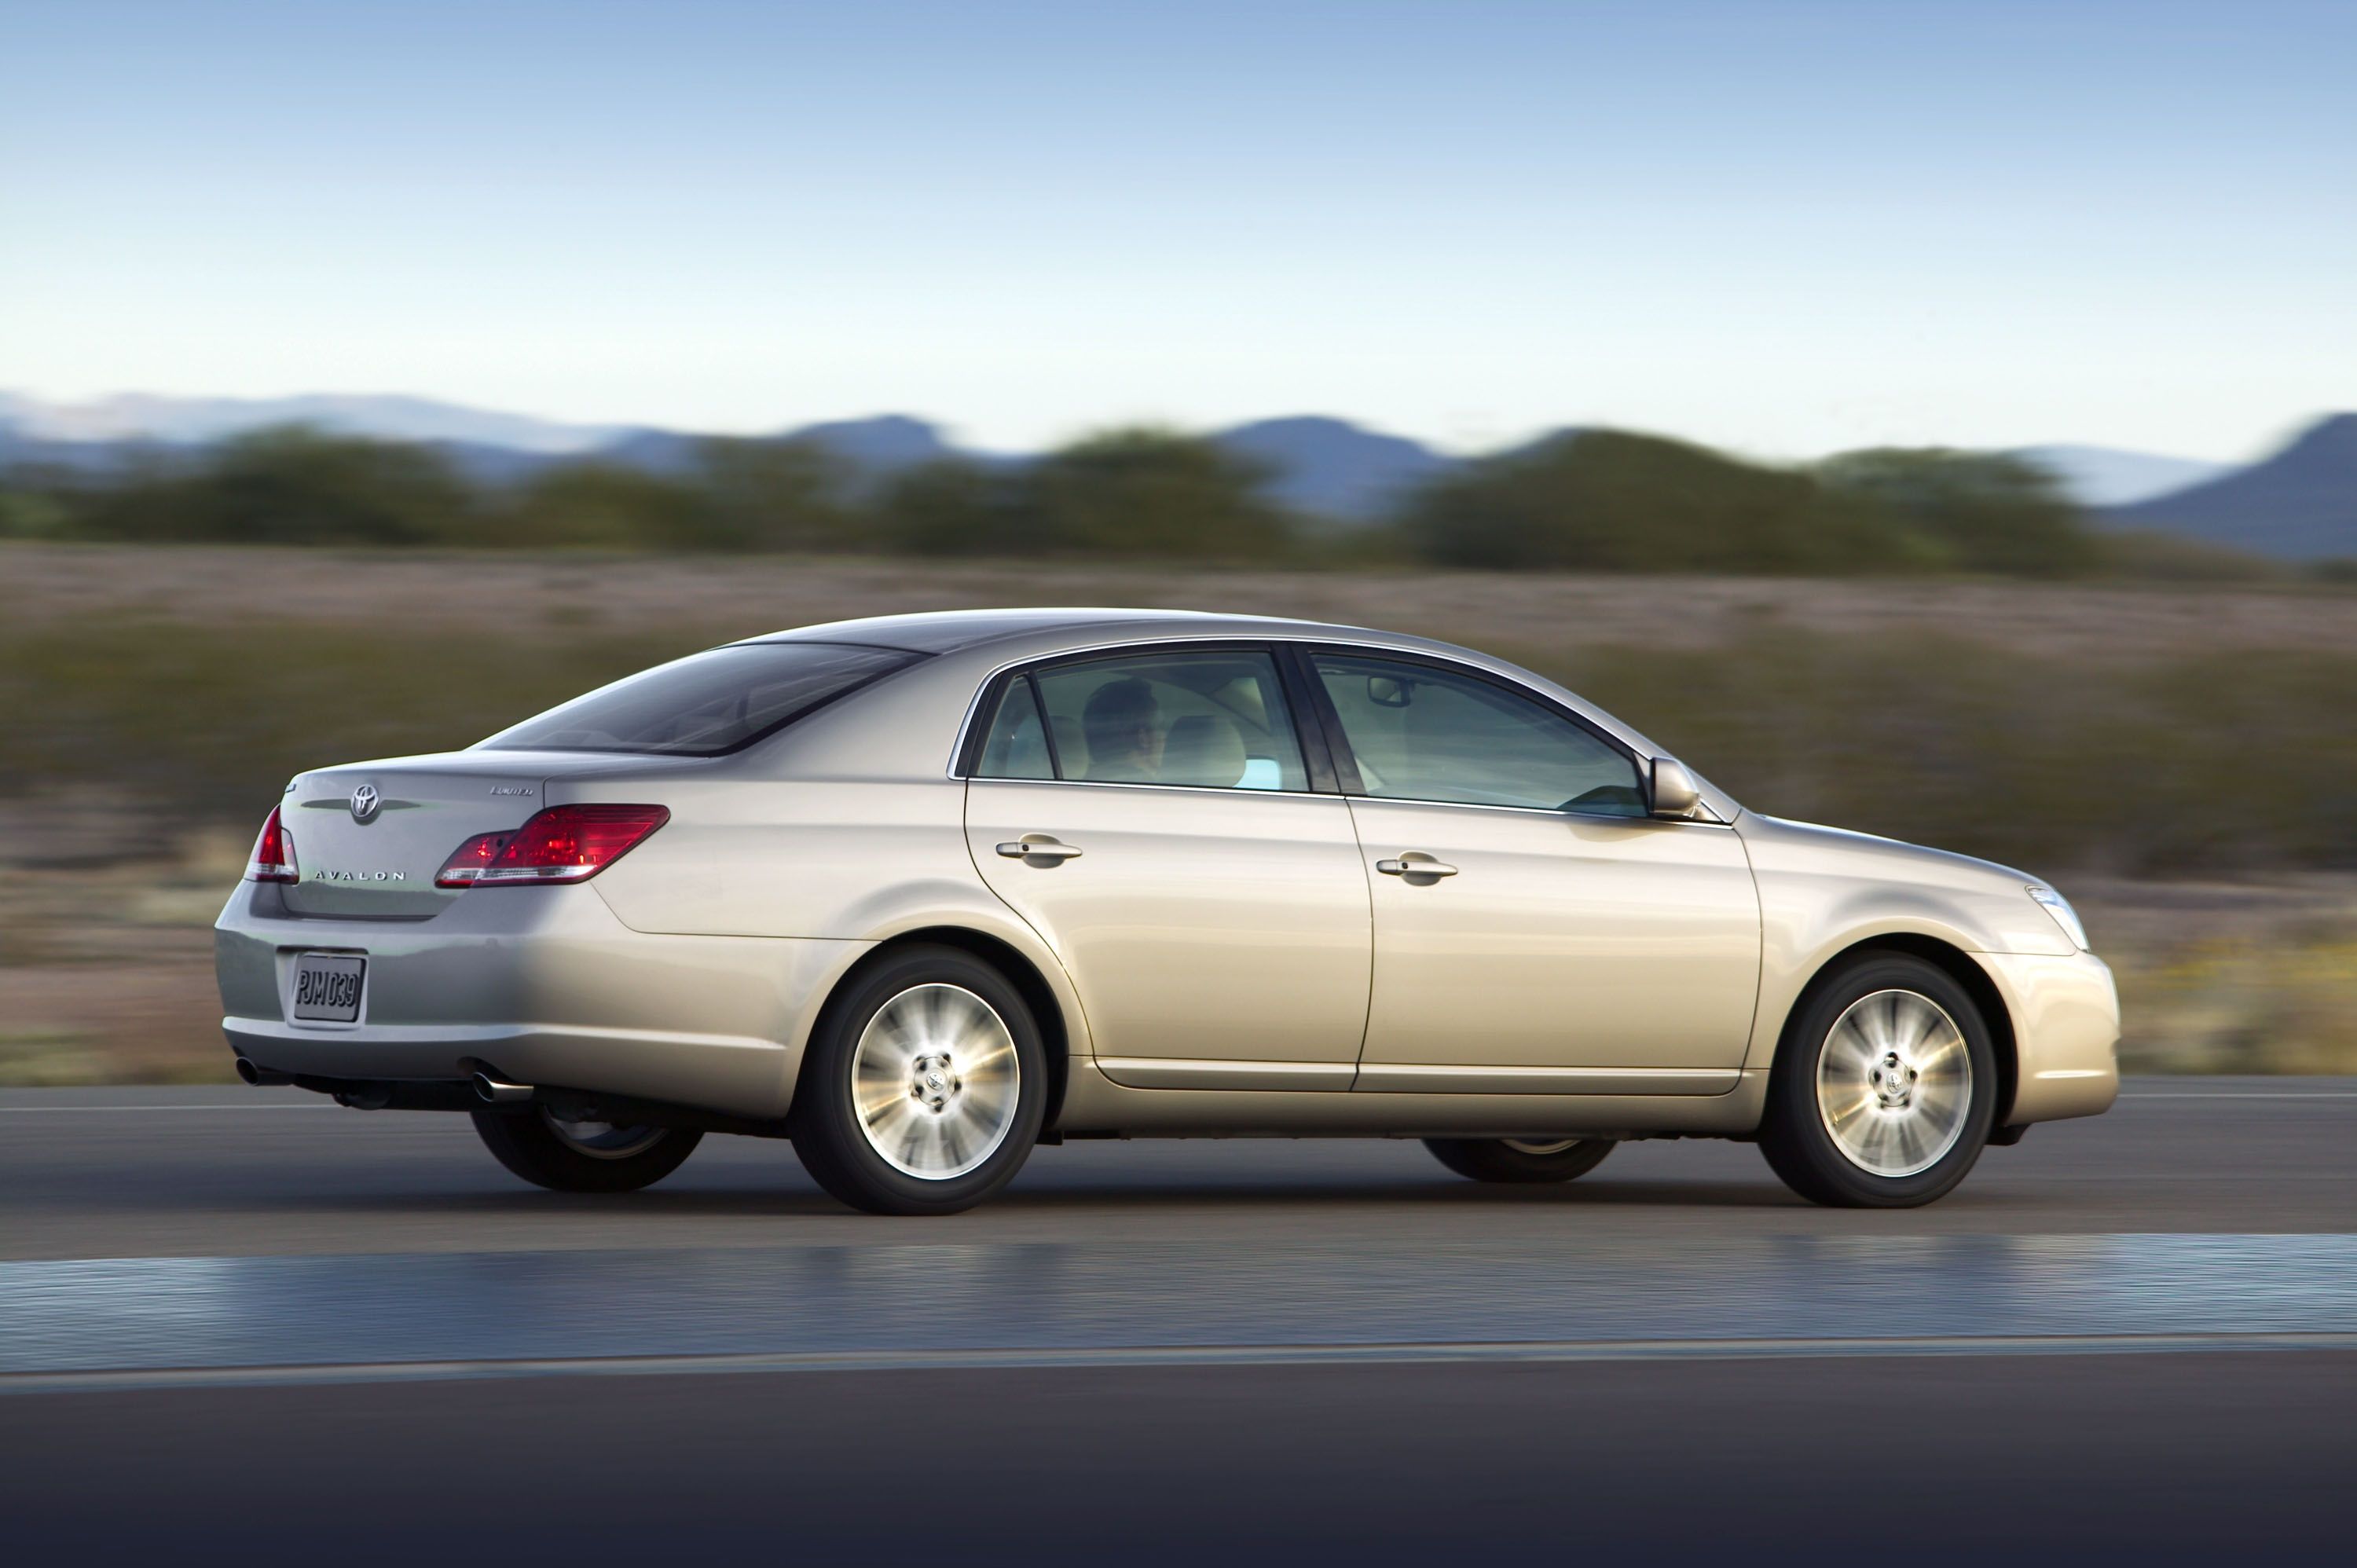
(1596, 501)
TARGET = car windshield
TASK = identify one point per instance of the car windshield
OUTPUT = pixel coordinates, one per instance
(706, 704)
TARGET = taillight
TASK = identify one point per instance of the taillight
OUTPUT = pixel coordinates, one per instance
(274, 854)
(563, 844)
(470, 860)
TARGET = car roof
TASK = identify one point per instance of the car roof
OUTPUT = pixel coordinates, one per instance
(949, 631)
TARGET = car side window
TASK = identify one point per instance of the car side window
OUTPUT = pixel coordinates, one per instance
(1419, 733)
(1016, 745)
(1212, 720)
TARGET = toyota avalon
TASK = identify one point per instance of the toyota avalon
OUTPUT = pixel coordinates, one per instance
(920, 892)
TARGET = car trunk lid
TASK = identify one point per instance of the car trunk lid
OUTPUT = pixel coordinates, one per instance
(369, 837)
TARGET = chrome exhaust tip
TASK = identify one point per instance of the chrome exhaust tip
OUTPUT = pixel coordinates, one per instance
(260, 1077)
(492, 1091)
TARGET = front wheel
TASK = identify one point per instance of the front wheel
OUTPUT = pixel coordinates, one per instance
(582, 1156)
(1883, 1094)
(924, 1086)
(1519, 1160)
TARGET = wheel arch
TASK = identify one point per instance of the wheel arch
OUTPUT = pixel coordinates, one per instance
(1951, 961)
(1047, 1009)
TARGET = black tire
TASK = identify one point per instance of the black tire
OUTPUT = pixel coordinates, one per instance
(1519, 1160)
(835, 1142)
(1794, 1135)
(526, 1143)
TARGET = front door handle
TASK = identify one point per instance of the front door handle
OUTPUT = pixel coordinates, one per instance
(1039, 849)
(1415, 863)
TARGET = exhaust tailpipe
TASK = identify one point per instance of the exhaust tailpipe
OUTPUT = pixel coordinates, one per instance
(260, 1077)
(492, 1091)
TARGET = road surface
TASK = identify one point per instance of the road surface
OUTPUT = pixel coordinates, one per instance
(246, 1322)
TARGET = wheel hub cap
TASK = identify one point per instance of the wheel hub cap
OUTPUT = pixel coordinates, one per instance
(934, 1081)
(1894, 1083)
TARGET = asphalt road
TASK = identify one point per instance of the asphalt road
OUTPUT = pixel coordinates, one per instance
(245, 1323)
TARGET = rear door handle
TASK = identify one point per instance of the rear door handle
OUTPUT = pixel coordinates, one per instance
(1415, 863)
(1039, 849)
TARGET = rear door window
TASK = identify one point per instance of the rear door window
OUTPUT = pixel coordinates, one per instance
(1206, 720)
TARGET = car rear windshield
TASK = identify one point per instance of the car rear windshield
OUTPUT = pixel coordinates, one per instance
(706, 704)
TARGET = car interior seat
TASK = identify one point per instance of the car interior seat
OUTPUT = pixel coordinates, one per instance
(1203, 749)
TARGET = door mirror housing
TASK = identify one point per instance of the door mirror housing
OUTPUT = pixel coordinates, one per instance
(1674, 795)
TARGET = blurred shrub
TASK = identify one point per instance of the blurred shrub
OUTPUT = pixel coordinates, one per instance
(1981, 511)
(1150, 492)
(1594, 500)
(274, 487)
(2235, 761)
(1606, 500)
(602, 506)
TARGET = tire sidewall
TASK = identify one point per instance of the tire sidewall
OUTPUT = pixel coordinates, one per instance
(527, 1147)
(1794, 1136)
(825, 1123)
(1495, 1160)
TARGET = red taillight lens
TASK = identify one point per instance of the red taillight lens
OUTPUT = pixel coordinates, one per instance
(470, 860)
(274, 854)
(563, 844)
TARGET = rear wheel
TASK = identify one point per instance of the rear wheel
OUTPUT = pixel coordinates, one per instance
(1883, 1094)
(582, 1156)
(1520, 1159)
(924, 1087)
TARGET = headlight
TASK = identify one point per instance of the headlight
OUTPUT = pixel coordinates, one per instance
(2064, 916)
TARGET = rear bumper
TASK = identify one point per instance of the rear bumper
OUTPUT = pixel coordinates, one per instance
(2066, 1026)
(538, 986)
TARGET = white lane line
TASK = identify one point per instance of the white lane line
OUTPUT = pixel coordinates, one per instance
(123, 1379)
(149, 1110)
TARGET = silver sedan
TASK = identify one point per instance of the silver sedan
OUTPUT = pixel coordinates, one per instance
(920, 892)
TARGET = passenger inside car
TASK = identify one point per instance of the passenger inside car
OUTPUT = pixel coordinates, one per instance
(1124, 725)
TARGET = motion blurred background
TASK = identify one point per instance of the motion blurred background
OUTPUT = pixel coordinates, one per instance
(1929, 418)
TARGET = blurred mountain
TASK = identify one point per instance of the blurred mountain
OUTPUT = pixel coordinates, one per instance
(1330, 466)
(2301, 503)
(883, 445)
(194, 420)
(2298, 505)
(868, 448)
(2107, 475)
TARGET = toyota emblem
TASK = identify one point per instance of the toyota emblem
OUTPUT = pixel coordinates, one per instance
(365, 802)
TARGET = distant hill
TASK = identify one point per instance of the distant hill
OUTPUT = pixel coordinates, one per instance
(1331, 467)
(194, 420)
(883, 445)
(2107, 475)
(2298, 505)
(870, 448)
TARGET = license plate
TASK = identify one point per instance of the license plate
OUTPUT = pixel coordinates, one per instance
(327, 986)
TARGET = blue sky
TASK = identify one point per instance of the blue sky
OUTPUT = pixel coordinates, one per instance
(1782, 228)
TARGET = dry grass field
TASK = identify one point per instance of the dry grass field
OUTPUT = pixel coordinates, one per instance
(2178, 756)
(732, 597)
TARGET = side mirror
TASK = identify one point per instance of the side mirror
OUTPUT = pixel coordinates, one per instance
(1674, 795)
